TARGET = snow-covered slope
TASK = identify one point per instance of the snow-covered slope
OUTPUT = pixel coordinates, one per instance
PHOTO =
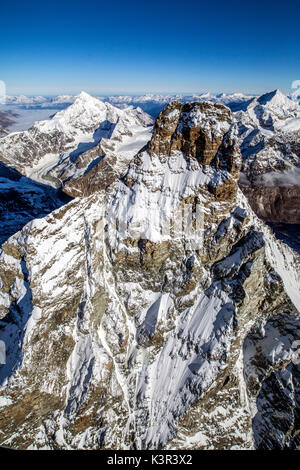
(131, 315)
(49, 150)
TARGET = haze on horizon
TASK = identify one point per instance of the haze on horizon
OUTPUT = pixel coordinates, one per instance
(165, 46)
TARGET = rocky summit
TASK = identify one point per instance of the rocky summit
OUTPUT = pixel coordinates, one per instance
(155, 310)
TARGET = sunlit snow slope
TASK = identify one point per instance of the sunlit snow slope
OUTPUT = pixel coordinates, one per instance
(125, 331)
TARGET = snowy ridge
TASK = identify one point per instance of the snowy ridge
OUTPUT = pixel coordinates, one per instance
(137, 336)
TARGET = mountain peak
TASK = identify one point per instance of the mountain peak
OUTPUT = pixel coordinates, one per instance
(83, 95)
(275, 98)
(85, 113)
(84, 98)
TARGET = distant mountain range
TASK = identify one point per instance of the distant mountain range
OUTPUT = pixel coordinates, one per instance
(151, 103)
(143, 304)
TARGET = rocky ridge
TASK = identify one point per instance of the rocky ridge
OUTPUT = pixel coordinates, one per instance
(126, 331)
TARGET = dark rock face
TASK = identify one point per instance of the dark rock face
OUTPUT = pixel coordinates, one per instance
(280, 393)
(288, 233)
(6, 119)
(274, 203)
(273, 381)
(3, 131)
(205, 133)
(22, 200)
(99, 177)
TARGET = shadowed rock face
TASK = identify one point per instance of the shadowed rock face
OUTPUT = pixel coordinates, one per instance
(102, 175)
(6, 119)
(274, 203)
(22, 200)
(133, 338)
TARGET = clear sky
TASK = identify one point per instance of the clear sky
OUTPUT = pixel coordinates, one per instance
(113, 46)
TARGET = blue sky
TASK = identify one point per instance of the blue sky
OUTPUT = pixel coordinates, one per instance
(112, 46)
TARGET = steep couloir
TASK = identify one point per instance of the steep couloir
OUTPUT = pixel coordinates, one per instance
(156, 313)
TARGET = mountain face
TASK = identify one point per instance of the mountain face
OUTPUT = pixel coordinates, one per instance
(288, 233)
(6, 119)
(90, 142)
(22, 200)
(75, 139)
(269, 132)
(157, 312)
(3, 131)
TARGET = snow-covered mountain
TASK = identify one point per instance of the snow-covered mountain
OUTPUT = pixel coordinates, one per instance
(269, 131)
(89, 141)
(129, 99)
(154, 103)
(151, 103)
(271, 119)
(159, 312)
(75, 139)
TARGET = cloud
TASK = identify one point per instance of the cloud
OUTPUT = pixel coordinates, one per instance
(285, 178)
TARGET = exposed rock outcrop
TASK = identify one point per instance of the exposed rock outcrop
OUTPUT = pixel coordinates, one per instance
(196, 129)
(274, 203)
(135, 329)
